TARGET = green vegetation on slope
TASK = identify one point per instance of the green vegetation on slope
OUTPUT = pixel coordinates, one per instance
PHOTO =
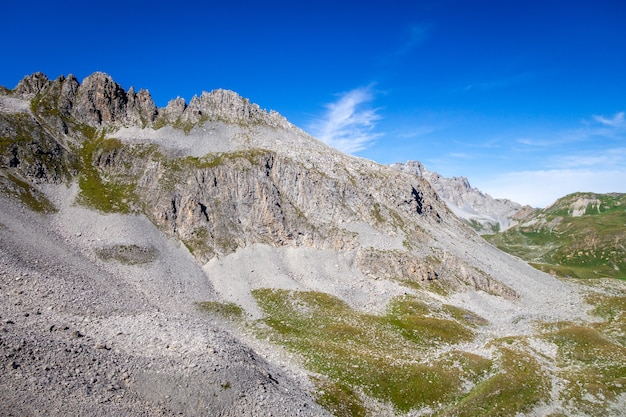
(98, 190)
(128, 254)
(519, 385)
(225, 310)
(591, 366)
(389, 357)
(28, 195)
(582, 235)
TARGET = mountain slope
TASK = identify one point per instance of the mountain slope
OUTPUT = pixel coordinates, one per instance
(179, 248)
(581, 235)
(481, 211)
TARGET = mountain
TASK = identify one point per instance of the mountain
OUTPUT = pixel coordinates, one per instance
(581, 235)
(482, 212)
(210, 258)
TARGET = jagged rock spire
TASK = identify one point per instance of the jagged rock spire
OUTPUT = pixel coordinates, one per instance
(31, 85)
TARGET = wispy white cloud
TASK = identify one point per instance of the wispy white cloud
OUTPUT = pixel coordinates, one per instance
(588, 130)
(604, 159)
(616, 121)
(533, 142)
(589, 157)
(348, 123)
(415, 132)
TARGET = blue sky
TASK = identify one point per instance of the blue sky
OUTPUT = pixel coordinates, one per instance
(525, 98)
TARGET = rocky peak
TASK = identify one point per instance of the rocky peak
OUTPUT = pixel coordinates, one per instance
(412, 167)
(140, 108)
(31, 85)
(69, 87)
(174, 110)
(223, 105)
(100, 100)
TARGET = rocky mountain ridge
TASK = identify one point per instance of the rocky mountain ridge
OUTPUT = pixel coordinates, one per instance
(178, 249)
(483, 213)
(100, 101)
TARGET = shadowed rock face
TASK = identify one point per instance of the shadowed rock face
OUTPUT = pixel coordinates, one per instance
(484, 213)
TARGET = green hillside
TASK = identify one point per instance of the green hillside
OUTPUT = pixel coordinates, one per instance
(582, 235)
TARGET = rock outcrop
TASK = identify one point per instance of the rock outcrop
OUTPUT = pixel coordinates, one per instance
(31, 85)
(484, 213)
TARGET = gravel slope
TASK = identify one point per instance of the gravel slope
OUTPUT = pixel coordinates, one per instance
(81, 336)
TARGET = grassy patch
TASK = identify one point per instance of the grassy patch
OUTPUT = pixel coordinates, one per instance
(97, 190)
(377, 354)
(515, 388)
(613, 310)
(128, 254)
(464, 316)
(408, 316)
(340, 399)
(591, 364)
(226, 310)
(28, 195)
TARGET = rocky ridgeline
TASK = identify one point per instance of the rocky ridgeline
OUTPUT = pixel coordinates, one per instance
(100, 101)
(263, 193)
(484, 213)
(256, 195)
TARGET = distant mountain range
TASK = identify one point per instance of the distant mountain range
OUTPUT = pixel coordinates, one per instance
(482, 212)
(581, 235)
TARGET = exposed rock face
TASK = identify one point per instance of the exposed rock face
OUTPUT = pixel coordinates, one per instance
(34, 153)
(101, 101)
(580, 206)
(174, 110)
(67, 95)
(31, 85)
(140, 108)
(482, 211)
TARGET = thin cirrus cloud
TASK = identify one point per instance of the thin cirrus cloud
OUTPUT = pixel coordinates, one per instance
(598, 127)
(617, 121)
(500, 82)
(613, 158)
(348, 123)
(566, 169)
